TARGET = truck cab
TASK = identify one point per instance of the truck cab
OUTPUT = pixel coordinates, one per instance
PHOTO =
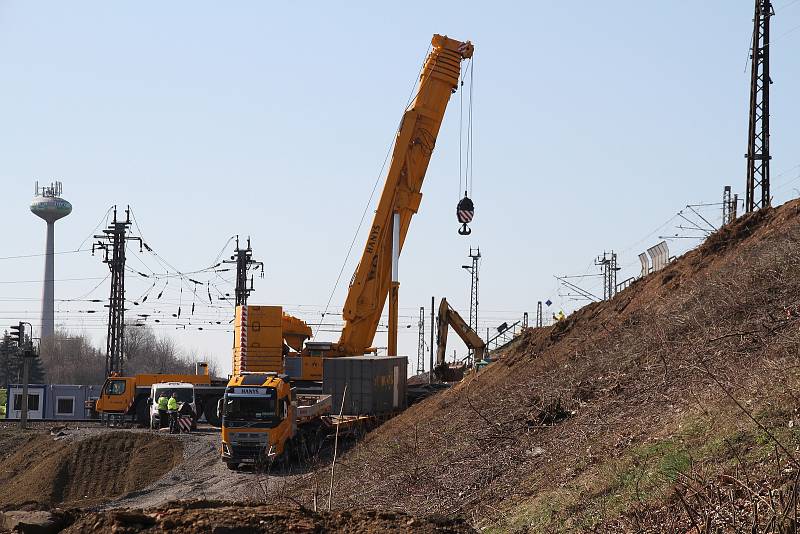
(185, 395)
(258, 418)
(117, 396)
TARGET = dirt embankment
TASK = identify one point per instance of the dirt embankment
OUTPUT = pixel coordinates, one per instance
(609, 418)
(221, 517)
(672, 406)
(38, 472)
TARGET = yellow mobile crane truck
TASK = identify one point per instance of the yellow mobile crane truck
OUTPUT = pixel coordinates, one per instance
(127, 398)
(259, 412)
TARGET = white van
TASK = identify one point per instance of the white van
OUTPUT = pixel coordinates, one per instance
(185, 392)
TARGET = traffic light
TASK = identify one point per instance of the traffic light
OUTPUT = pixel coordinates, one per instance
(18, 334)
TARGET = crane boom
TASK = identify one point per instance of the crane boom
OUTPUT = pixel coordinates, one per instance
(401, 194)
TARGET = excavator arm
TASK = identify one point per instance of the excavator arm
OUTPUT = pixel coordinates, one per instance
(401, 194)
(449, 317)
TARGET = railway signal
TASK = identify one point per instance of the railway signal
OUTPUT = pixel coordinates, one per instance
(18, 334)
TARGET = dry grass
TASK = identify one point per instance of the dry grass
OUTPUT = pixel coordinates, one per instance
(611, 417)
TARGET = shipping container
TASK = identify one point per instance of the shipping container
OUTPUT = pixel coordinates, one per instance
(66, 402)
(37, 393)
(376, 385)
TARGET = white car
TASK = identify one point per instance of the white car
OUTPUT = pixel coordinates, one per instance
(185, 392)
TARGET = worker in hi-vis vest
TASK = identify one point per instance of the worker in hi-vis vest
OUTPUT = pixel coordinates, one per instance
(162, 409)
(172, 407)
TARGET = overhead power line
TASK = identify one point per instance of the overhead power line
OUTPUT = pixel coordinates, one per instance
(22, 256)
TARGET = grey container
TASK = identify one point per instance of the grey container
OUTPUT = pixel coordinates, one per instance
(68, 401)
(65, 402)
(37, 400)
(376, 385)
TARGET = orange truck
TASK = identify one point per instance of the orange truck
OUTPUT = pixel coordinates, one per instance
(127, 398)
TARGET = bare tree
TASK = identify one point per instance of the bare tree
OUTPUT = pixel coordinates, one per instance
(73, 359)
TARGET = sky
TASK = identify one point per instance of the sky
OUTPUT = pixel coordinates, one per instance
(593, 125)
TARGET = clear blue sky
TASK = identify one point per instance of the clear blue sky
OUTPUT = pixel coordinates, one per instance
(595, 123)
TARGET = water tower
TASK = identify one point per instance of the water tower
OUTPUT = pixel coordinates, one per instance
(49, 205)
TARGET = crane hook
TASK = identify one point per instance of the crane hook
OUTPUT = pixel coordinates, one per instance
(465, 211)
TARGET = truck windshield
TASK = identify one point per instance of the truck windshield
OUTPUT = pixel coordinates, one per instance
(184, 394)
(249, 408)
(114, 387)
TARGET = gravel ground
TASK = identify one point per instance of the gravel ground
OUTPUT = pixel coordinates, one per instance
(201, 475)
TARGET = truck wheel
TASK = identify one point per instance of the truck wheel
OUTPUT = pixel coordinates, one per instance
(210, 411)
(142, 411)
(232, 466)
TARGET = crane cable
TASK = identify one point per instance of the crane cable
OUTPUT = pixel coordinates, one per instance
(465, 209)
(470, 143)
(460, 133)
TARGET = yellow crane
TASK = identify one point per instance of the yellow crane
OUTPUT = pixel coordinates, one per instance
(260, 401)
(376, 278)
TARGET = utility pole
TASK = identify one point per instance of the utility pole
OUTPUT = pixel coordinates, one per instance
(26, 352)
(728, 205)
(758, 156)
(5, 353)
(539, 318)
(421, 342)
(26, 376)
(113, 242)
(608, 263)
(475, 254)
(243, 258)
(433, 329)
